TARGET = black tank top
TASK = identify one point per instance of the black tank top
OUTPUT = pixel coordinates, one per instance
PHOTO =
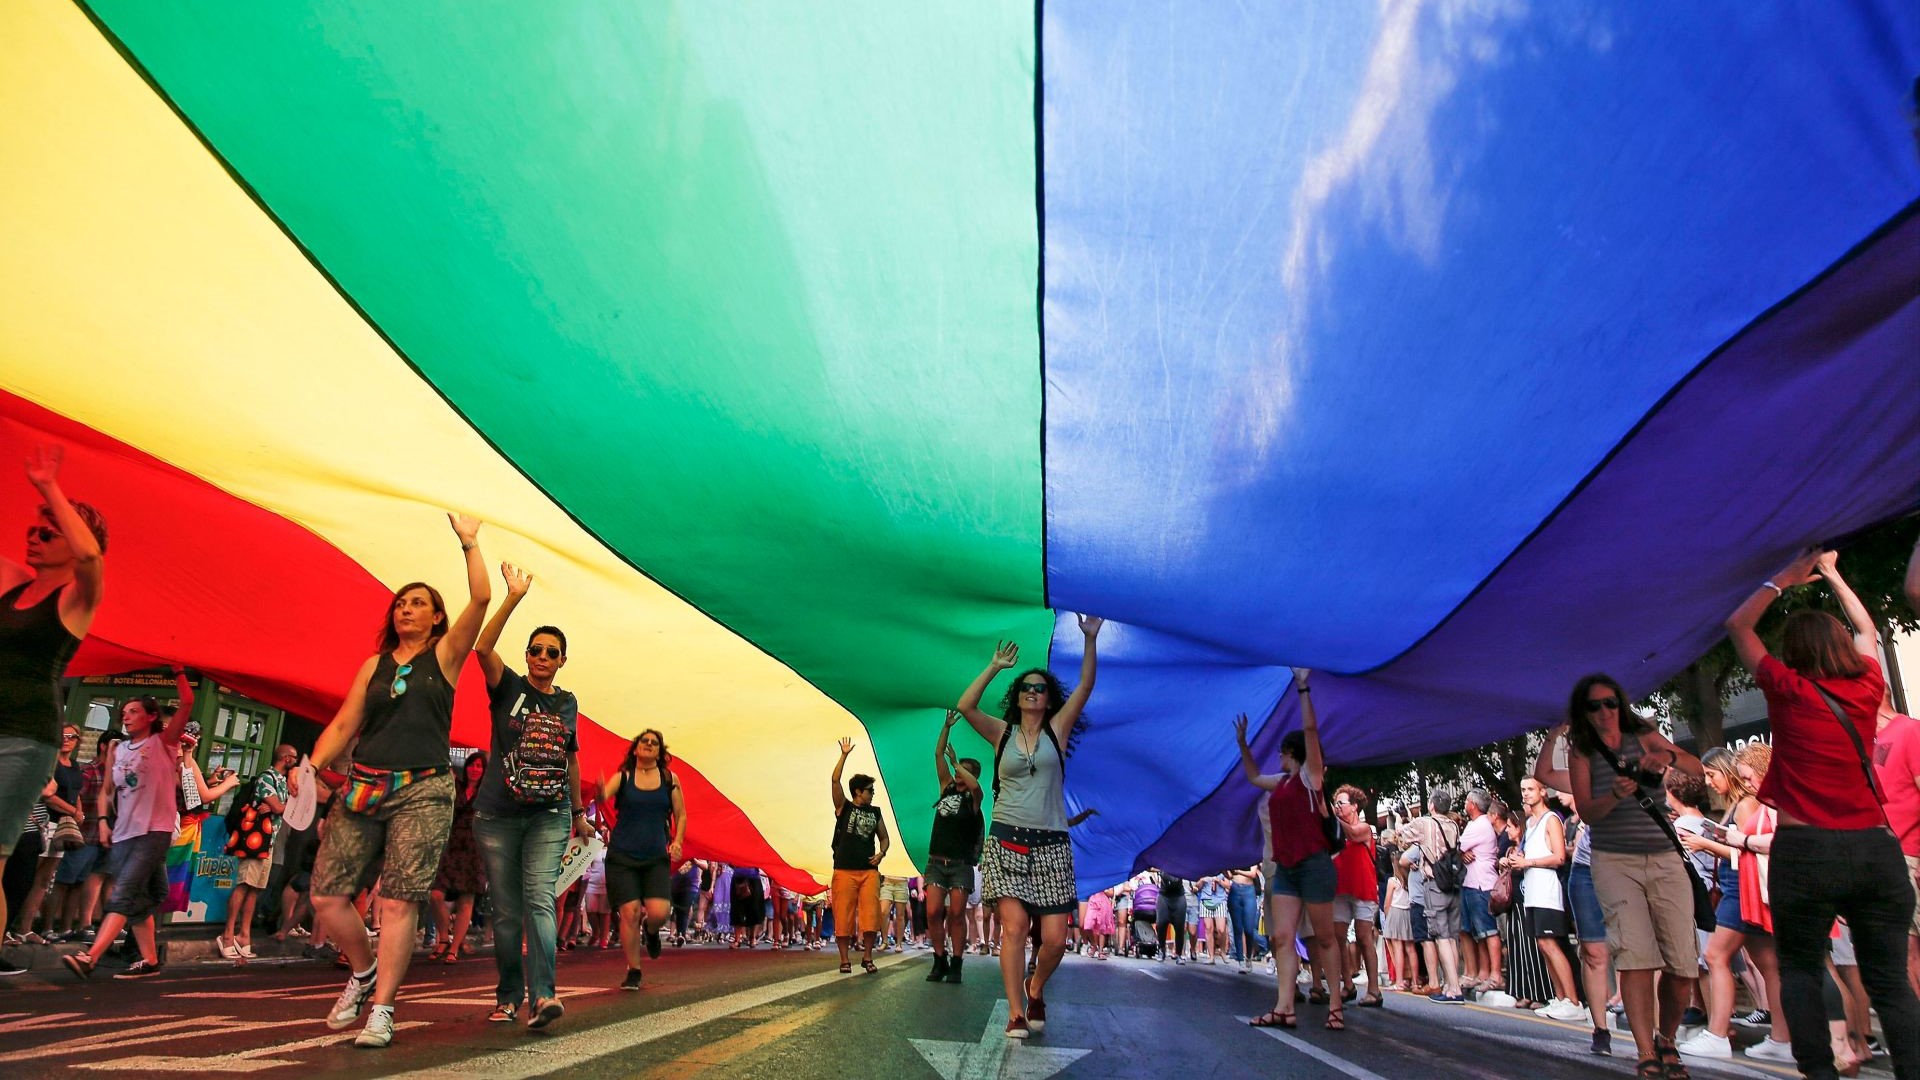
(957, 826)
(34, 649)
(411, 730)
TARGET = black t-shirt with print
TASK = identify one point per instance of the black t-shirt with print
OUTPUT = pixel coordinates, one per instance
(854, 832)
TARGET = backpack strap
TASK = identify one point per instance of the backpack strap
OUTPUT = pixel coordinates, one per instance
(1007, 736)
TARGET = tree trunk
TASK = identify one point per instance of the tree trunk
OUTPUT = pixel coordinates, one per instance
(1705, 713)
(1894, 679)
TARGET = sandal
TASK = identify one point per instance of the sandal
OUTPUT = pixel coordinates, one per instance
(1669, 1058)
(1274, 1019)
(1371, 1001)
(1335, 1021)
(869, 967)
(1651, 1069)
(846, 969)
(1316, 996)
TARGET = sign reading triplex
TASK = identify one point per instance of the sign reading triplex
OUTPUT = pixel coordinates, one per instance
(200, 873)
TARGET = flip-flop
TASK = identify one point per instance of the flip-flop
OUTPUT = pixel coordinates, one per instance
(1273, 1019)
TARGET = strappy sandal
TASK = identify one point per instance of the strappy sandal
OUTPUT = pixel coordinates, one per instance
(1316, 996)
(1336, 1021)
(1371, 1001)
(846, 969)
(869, 967)
(1669, 1058)
(1651, 1069)
(439, 952)
(1274, 1019)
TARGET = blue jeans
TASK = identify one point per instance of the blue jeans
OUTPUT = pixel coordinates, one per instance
(523, 864)
(1243, 913)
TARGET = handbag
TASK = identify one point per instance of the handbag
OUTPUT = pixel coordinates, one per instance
(67, 835)
(1500, 899)
(1703, 916)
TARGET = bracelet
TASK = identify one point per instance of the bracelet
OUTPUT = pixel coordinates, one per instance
(468, 547)
(1777, 590)
(1305, 690)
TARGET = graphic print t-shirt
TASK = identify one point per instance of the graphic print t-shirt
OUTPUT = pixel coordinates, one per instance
(853, 837)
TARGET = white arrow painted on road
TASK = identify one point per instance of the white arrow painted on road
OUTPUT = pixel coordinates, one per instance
(995, 1057)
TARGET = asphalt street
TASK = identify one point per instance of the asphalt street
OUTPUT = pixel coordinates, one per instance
(713, 1012)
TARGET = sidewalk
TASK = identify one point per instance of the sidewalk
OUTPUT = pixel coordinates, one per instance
(187, 944)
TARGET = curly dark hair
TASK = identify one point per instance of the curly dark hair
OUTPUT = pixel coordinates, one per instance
(633, 752)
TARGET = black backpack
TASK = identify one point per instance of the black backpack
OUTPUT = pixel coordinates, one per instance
(1449, 873)
(1007, 735)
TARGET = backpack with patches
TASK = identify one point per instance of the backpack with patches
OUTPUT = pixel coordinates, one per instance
(1007, 736)
(535, 770)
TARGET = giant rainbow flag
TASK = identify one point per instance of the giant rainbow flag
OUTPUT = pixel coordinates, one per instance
(802, 350)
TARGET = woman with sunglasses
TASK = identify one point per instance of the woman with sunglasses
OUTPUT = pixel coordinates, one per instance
(46, 608)
(526, 811)
(397, 809)
(1832, 852)
(1643, 884)
(649, 833)
(1027, 862)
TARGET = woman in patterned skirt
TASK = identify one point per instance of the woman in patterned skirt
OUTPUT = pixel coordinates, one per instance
(1027, 864)
(462, 878)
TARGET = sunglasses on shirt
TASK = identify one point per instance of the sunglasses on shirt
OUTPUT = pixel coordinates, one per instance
(551, 652)
(400, 681)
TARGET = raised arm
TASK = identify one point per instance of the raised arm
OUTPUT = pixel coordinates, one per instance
(1069, 713)
(1866, 636)
(1247, 764)
(942, 767)
(1005, 655)
(339, 734)
(518, 582)
(465, 630)
(177, 723)
(78, 603)
(1315, 766)
(839, 793)
(1740, 625)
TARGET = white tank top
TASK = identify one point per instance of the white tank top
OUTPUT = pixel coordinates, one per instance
(146, 772)
(1540, 885)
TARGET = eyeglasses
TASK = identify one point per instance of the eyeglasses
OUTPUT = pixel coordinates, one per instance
(1032, 687)
(400, 681)
(42, 533)
(551, 652)
(1609, 702)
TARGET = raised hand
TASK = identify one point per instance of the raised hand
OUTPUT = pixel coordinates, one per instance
(1240, 728)
(1090, 625)
(1300, 676)
(953, 717)
(518, 580)
(1828, 563)
(846, 747)
(1005, 655)
(1798, 572)
(465, 526)
(43, 465)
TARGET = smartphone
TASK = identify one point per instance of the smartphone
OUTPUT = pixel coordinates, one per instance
(1714, 831)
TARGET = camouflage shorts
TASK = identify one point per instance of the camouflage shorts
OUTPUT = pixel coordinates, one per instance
(401, 841)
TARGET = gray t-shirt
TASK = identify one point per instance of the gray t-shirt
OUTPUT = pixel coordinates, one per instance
(1416, 877)
(1032, 786)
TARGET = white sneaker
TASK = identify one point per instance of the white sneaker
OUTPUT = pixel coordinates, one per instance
(1571, 1012)
(1769, 1050)
(347, 1009)
(379, 1029)
(1707, 1045)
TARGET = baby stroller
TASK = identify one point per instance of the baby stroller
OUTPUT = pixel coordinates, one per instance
(1146, 943)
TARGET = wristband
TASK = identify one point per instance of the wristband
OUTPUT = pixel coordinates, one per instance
(1777, 590)
(1305, 690)
(468, 547)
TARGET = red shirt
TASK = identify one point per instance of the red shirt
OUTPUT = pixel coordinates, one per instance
(1354, 874)
(1896, 764)
(1816, 776)
(1293, 813)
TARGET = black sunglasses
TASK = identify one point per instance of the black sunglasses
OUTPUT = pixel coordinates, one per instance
(1031, 687)
(1609, 702)
(42, 533)
(551, 652)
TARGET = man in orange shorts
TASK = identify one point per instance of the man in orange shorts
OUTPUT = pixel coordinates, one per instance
(859, 843)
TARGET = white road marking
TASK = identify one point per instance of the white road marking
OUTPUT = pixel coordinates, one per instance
(183, 1028)
(538, 1058)
(1150, 973)
(255, 1060)
(1332, 1061)
(995, 1057)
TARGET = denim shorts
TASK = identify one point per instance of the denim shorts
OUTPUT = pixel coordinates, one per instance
(1311, 879)
(78, 864)
(25, 767)
(1476, 914)
(1589, 920)
(950, 874)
